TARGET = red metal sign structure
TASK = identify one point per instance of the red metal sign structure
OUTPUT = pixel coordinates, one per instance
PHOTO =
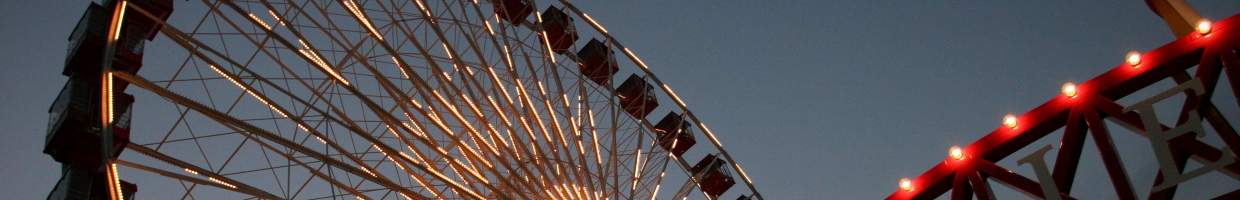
(1208, 51)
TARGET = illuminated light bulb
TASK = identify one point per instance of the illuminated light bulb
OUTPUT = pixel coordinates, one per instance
(1133, 58)
(1069, 90)
(1204, 26)
(1009, 121)
(906, 184)
(956, 153)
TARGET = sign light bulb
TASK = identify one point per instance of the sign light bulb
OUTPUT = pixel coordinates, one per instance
(1069, 90)
(956, 153)
(1204, 26)
(1009, 121)
(906, 184)
(1133, 58)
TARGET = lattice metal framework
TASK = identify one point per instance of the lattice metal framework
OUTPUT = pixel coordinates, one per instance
(1207, 50)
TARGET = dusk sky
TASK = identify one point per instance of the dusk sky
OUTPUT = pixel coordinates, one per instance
(816, 99)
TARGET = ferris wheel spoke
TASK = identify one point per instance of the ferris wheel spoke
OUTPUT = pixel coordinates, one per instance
(658, 181)
(527, 101)
(453, 89)
(510, 106)
(665, 158)
(562, 146)
(532, 27)
(589, 124)
(556, 127)
(234, 123)
(470, 80)
(221, 185)
(198, 144)
(180, 68)
(353, 90)
(275, 107)
(455, 163)
(577, 125)
(200, 171)
(478, 53)
(538, 126)
(466, 76)
(461, 145)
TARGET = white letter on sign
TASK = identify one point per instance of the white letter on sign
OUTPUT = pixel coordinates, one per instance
(1159, 138)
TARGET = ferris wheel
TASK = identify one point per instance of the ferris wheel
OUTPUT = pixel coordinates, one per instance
(362, 99)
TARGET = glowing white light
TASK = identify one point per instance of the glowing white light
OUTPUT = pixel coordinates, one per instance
(260, 21)
(115, 182)
(117, 34)
(107, 90)
(368, 172)
(1133, 58)
(906, 184)
(956, 153)
(1009, 121)
(1069, 90)
(318, 61)
(357, 12)
(277, 17)
(1204, 26)
(218, 181)
(425, 11)
(399, 68)
(595, 23)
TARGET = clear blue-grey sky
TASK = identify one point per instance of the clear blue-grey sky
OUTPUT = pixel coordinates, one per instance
(816, 99)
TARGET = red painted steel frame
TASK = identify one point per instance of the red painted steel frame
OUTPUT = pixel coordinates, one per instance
(1094, 102)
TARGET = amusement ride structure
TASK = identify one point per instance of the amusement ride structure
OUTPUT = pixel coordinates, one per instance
(499, 99)
(1193, 65)
(362, 99)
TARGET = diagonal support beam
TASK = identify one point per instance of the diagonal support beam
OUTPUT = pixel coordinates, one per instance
(1180, 16)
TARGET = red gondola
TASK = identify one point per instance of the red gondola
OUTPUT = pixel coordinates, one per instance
(714, 181)
(674, 134)
(515, 11)
(598, 62)
(636, 96)
(559, 27)
(88, 40)
(73, 136)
